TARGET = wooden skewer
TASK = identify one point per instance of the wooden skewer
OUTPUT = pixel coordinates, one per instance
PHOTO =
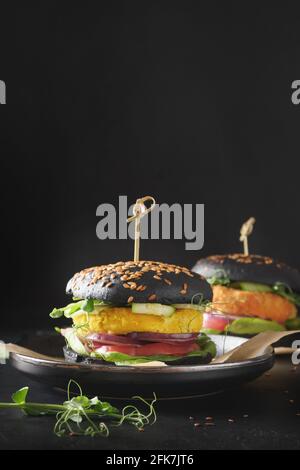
(139, 211)
(246, 230)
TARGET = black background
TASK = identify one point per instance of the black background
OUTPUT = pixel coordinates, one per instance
(190, 104)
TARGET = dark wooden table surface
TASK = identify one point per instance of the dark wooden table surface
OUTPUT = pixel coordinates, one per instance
(264, 414)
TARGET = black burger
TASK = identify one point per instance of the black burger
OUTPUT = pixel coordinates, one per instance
(254, 293)
(134, 312)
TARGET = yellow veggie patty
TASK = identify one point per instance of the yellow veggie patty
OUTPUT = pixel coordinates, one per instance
(121, 320)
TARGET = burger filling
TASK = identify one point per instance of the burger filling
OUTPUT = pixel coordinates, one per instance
(251, 308)
(125, 336)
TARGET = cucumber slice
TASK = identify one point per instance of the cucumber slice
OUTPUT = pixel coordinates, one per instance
(200, 308)
(252, 326)
(153, 309)
(251, 287)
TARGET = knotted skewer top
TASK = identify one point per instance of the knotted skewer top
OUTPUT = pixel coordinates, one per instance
(246, 230)
(139, 211)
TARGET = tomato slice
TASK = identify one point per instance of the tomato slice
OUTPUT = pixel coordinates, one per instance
(214, 321)
(151, 349)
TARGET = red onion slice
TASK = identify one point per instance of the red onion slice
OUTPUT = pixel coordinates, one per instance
(164, 338)
(105, 338)
(138, 339)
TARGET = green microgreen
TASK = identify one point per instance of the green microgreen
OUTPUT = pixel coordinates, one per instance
(84, 416)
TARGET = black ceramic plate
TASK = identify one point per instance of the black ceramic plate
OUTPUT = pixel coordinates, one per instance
(108, 380)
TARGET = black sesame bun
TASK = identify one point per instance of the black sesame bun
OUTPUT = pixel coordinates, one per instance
(249, 268)
(143, 282)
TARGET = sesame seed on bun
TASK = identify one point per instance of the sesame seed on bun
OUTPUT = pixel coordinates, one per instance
(142, 282)
(250, 268)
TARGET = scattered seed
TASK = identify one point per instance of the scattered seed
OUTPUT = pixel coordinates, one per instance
(109, 284)
(291, 401)
(209, 418)
(209, 423)
(230, 420)
(245, 416)
(168, 282)
(152, 297)
(196, 425)
(130, 299)
(127, 286)
(191, 417)
(157, 277)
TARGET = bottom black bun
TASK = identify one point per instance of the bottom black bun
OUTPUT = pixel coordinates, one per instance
(72, 356)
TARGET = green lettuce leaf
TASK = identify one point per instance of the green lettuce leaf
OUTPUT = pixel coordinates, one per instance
(219, 278)
(74, 342)
(87, 305)
(285, 291)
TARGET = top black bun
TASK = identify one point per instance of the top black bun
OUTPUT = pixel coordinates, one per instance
(251, 268)
(143, 282)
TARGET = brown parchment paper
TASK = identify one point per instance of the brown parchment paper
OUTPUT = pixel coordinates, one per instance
(254, 347)
(15, 348)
